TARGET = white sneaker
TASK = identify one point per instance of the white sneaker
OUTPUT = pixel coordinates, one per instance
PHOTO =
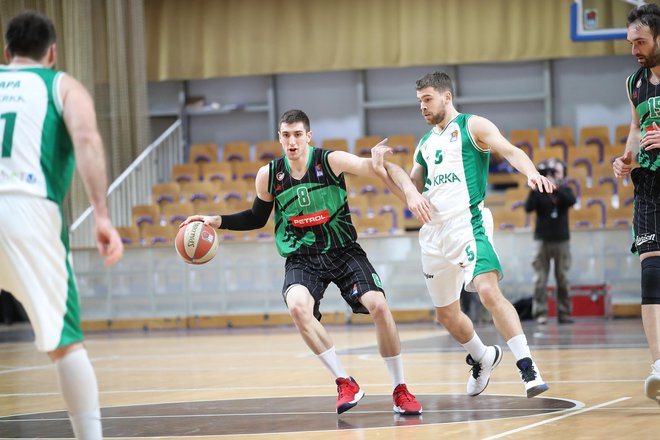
(481, 371)
(529, 373)
(652, 384)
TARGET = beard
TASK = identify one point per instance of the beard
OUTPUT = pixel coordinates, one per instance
(436, 118)
(653, 59)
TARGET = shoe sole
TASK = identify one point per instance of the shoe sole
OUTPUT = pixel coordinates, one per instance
(653, 390)
(346, 406)
(498, 358)
(538, 389)
(398, 410)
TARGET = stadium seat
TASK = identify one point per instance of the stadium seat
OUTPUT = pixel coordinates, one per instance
(195, 192)
(203, 153)
(525, 138)
(185, 172)
(621, 134)
(221, 171)
(559, 136)
(377, 224)
(245, 170)
(175, 213)
(338, 144)
(266, 151)
(611, 152)
(515, 197)
(363, 184)
(402, 143)
(130, 235)
(587, 217)
(359, 206)
(145, 214)
(619, 217)
(164, 193)
(508, 220)
(541, 154)
(364, 144)
(154, 235)
(239, 150)
(597, 134)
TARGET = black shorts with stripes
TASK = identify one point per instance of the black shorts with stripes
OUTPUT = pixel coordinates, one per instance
(646, 211)
(349, 268)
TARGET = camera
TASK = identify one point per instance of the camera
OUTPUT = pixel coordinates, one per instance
(547, 168)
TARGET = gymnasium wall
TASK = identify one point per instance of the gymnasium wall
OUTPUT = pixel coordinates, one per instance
(211, 38)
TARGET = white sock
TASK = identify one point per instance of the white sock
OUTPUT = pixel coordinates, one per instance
(475, 347)
(655, 367)
(81, 394)
(331, 361)
(395, 367)
(519, 348)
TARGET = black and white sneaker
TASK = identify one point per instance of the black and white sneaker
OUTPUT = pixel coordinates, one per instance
(531, 377)
(481, 371)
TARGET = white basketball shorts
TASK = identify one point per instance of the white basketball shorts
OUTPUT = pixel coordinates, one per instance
(456, 251)
(35, 268)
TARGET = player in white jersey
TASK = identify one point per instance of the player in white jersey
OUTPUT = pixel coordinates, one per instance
(47, 126)
(450, 171)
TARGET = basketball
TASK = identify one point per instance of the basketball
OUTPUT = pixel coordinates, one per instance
(196, 243)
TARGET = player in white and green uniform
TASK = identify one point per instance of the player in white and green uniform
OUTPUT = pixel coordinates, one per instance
(450, 171)
(455, 173)
(36, 167)
(45, 116)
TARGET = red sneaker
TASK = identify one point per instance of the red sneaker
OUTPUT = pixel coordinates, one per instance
(405, 402)
(349, 394)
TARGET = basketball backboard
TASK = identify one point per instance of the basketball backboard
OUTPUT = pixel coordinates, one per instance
(593, 20)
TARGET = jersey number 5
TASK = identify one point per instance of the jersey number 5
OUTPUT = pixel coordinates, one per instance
(7, 122)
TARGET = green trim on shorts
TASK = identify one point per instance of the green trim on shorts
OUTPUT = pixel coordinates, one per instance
(487, 259)
(71, 330)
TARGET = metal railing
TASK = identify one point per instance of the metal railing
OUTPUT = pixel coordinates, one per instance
(133, 186)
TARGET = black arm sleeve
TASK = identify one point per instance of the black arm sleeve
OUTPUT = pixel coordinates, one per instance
(249, 219)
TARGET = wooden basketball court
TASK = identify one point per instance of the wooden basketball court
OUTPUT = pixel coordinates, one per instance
(264, 383)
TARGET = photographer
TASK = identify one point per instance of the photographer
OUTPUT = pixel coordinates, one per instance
(552, 234)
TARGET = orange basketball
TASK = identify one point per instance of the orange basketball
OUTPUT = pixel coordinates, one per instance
(196, 243)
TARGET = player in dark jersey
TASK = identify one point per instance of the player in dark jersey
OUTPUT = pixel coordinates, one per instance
(643, 144)
(313, 230)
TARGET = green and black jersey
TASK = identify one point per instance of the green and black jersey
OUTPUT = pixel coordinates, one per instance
(646, 99)
(311, 214)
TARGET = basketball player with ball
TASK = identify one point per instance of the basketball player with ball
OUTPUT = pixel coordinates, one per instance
(313, 231)
(48, 125)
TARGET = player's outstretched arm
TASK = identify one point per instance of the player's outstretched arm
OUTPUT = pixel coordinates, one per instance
(488, 136)
(80, 119)
(253, 218)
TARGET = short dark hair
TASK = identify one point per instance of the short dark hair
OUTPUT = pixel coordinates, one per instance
(293, 116)
(29, 34)
(438, 80)
(648, 15)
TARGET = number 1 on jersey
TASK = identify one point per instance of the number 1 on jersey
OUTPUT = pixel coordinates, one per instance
(7, 122)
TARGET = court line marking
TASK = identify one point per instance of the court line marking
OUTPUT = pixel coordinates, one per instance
(578, 404)
(311, 386)
(554, 419)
